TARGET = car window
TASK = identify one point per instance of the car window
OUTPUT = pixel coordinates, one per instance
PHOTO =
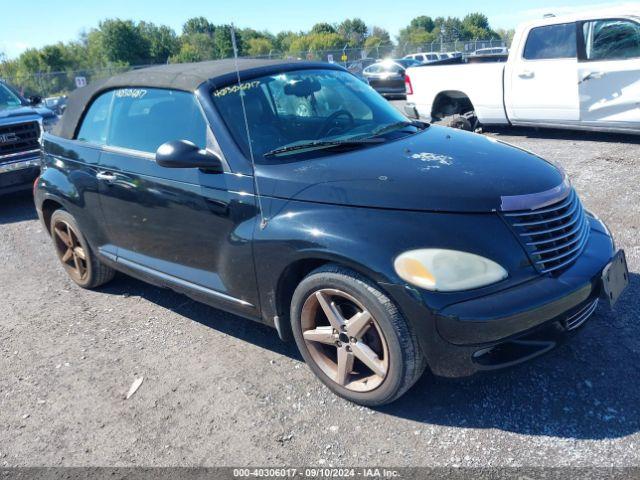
(611, 39)
(373, 69)
(96, 120)
(552, 41)
(142, 119)
(301, 106)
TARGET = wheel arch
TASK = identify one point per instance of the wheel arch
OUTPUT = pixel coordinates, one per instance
(451, 102)
(48, 207)
(294, 272)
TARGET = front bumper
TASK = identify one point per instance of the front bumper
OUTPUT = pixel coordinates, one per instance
(512, 325)
(19, 174)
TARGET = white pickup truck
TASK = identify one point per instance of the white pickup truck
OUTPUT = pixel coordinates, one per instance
(579, 72)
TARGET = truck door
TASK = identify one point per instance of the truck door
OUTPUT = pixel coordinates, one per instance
(541, 81)
(609, 73)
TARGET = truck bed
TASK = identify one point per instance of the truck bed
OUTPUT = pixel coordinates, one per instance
(481, 83)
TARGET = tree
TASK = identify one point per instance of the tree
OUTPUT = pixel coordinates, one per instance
(476, 26)
(422, 22)
(282, 41)
(323, 27)
(354, 31)
(506, 35)
(378, 43)
(196, 47)
(198, 25)
(259, 46)
(162, 42)
(122, 42)
(223, 42)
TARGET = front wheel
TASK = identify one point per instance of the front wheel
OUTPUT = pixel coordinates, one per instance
(354, 338)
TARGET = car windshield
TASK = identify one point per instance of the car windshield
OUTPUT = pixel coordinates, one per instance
(8, 99)
(318, 109)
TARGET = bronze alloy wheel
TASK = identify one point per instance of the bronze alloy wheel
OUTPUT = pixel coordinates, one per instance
(70, 251)
(344, 340)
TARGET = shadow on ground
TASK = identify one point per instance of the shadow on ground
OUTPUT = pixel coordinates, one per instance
(17, 207)
(585, 389)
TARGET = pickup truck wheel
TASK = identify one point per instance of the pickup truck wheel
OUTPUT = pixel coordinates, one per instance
(354, 338)
(82, 266)
(461, 122)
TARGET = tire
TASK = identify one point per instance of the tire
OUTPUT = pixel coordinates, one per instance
(400, 362)
(460, 122)
(71, 246)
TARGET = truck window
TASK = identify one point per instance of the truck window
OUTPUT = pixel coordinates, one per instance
(552, 41)
(611, 39)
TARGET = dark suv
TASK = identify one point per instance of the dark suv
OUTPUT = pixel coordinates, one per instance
(21, 124)
(294, 195)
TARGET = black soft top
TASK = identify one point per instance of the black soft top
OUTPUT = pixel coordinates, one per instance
(187, 77)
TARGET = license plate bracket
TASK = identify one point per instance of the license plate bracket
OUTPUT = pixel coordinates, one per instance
(615, 277)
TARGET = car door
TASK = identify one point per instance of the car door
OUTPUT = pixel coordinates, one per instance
(541, 84)
(609, 73)
(181, 226)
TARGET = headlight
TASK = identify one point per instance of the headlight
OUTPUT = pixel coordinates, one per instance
(447, 270)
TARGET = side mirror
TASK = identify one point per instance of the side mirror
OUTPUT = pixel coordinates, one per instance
(185, 154)
(35, 100)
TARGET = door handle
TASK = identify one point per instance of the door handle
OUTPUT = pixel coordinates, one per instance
(526, 74)
(592, 76)
(106, 177)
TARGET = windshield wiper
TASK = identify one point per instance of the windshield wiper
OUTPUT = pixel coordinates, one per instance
(321, 144)
(394, 126)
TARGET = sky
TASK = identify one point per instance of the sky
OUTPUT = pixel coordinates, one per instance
(50, 21)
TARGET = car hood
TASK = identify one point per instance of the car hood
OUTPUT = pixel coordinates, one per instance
(25, 110)
(438, 169)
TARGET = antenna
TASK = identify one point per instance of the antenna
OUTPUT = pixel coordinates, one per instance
(263, 219)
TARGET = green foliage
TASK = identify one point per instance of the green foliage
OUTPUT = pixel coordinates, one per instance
(378, 43)
(506, 35)
(162, 42)
(354, 31)
(424, 30)
(323, 27)
(123, 41)
(259, 46)
(198, 25)
(117, 44)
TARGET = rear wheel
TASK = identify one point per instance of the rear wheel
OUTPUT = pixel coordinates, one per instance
(354, 338)
(82, 266)
(467, 121)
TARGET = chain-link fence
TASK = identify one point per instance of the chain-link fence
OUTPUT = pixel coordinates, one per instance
(49, 84)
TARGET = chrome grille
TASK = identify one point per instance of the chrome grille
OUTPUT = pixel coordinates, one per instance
(554, 236)
(19, 138)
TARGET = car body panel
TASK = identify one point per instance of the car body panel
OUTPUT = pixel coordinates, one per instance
(438, 169)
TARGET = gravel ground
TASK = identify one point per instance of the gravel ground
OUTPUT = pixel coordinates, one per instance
(220, 390)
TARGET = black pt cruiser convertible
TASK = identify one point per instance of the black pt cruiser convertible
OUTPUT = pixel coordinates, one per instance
(292, 194)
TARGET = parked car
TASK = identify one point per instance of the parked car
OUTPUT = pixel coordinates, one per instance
(21, 124)
(381, 245)
(491, 51)
(56, 104)
(580, 71)
(387, 77)
(424, 57)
